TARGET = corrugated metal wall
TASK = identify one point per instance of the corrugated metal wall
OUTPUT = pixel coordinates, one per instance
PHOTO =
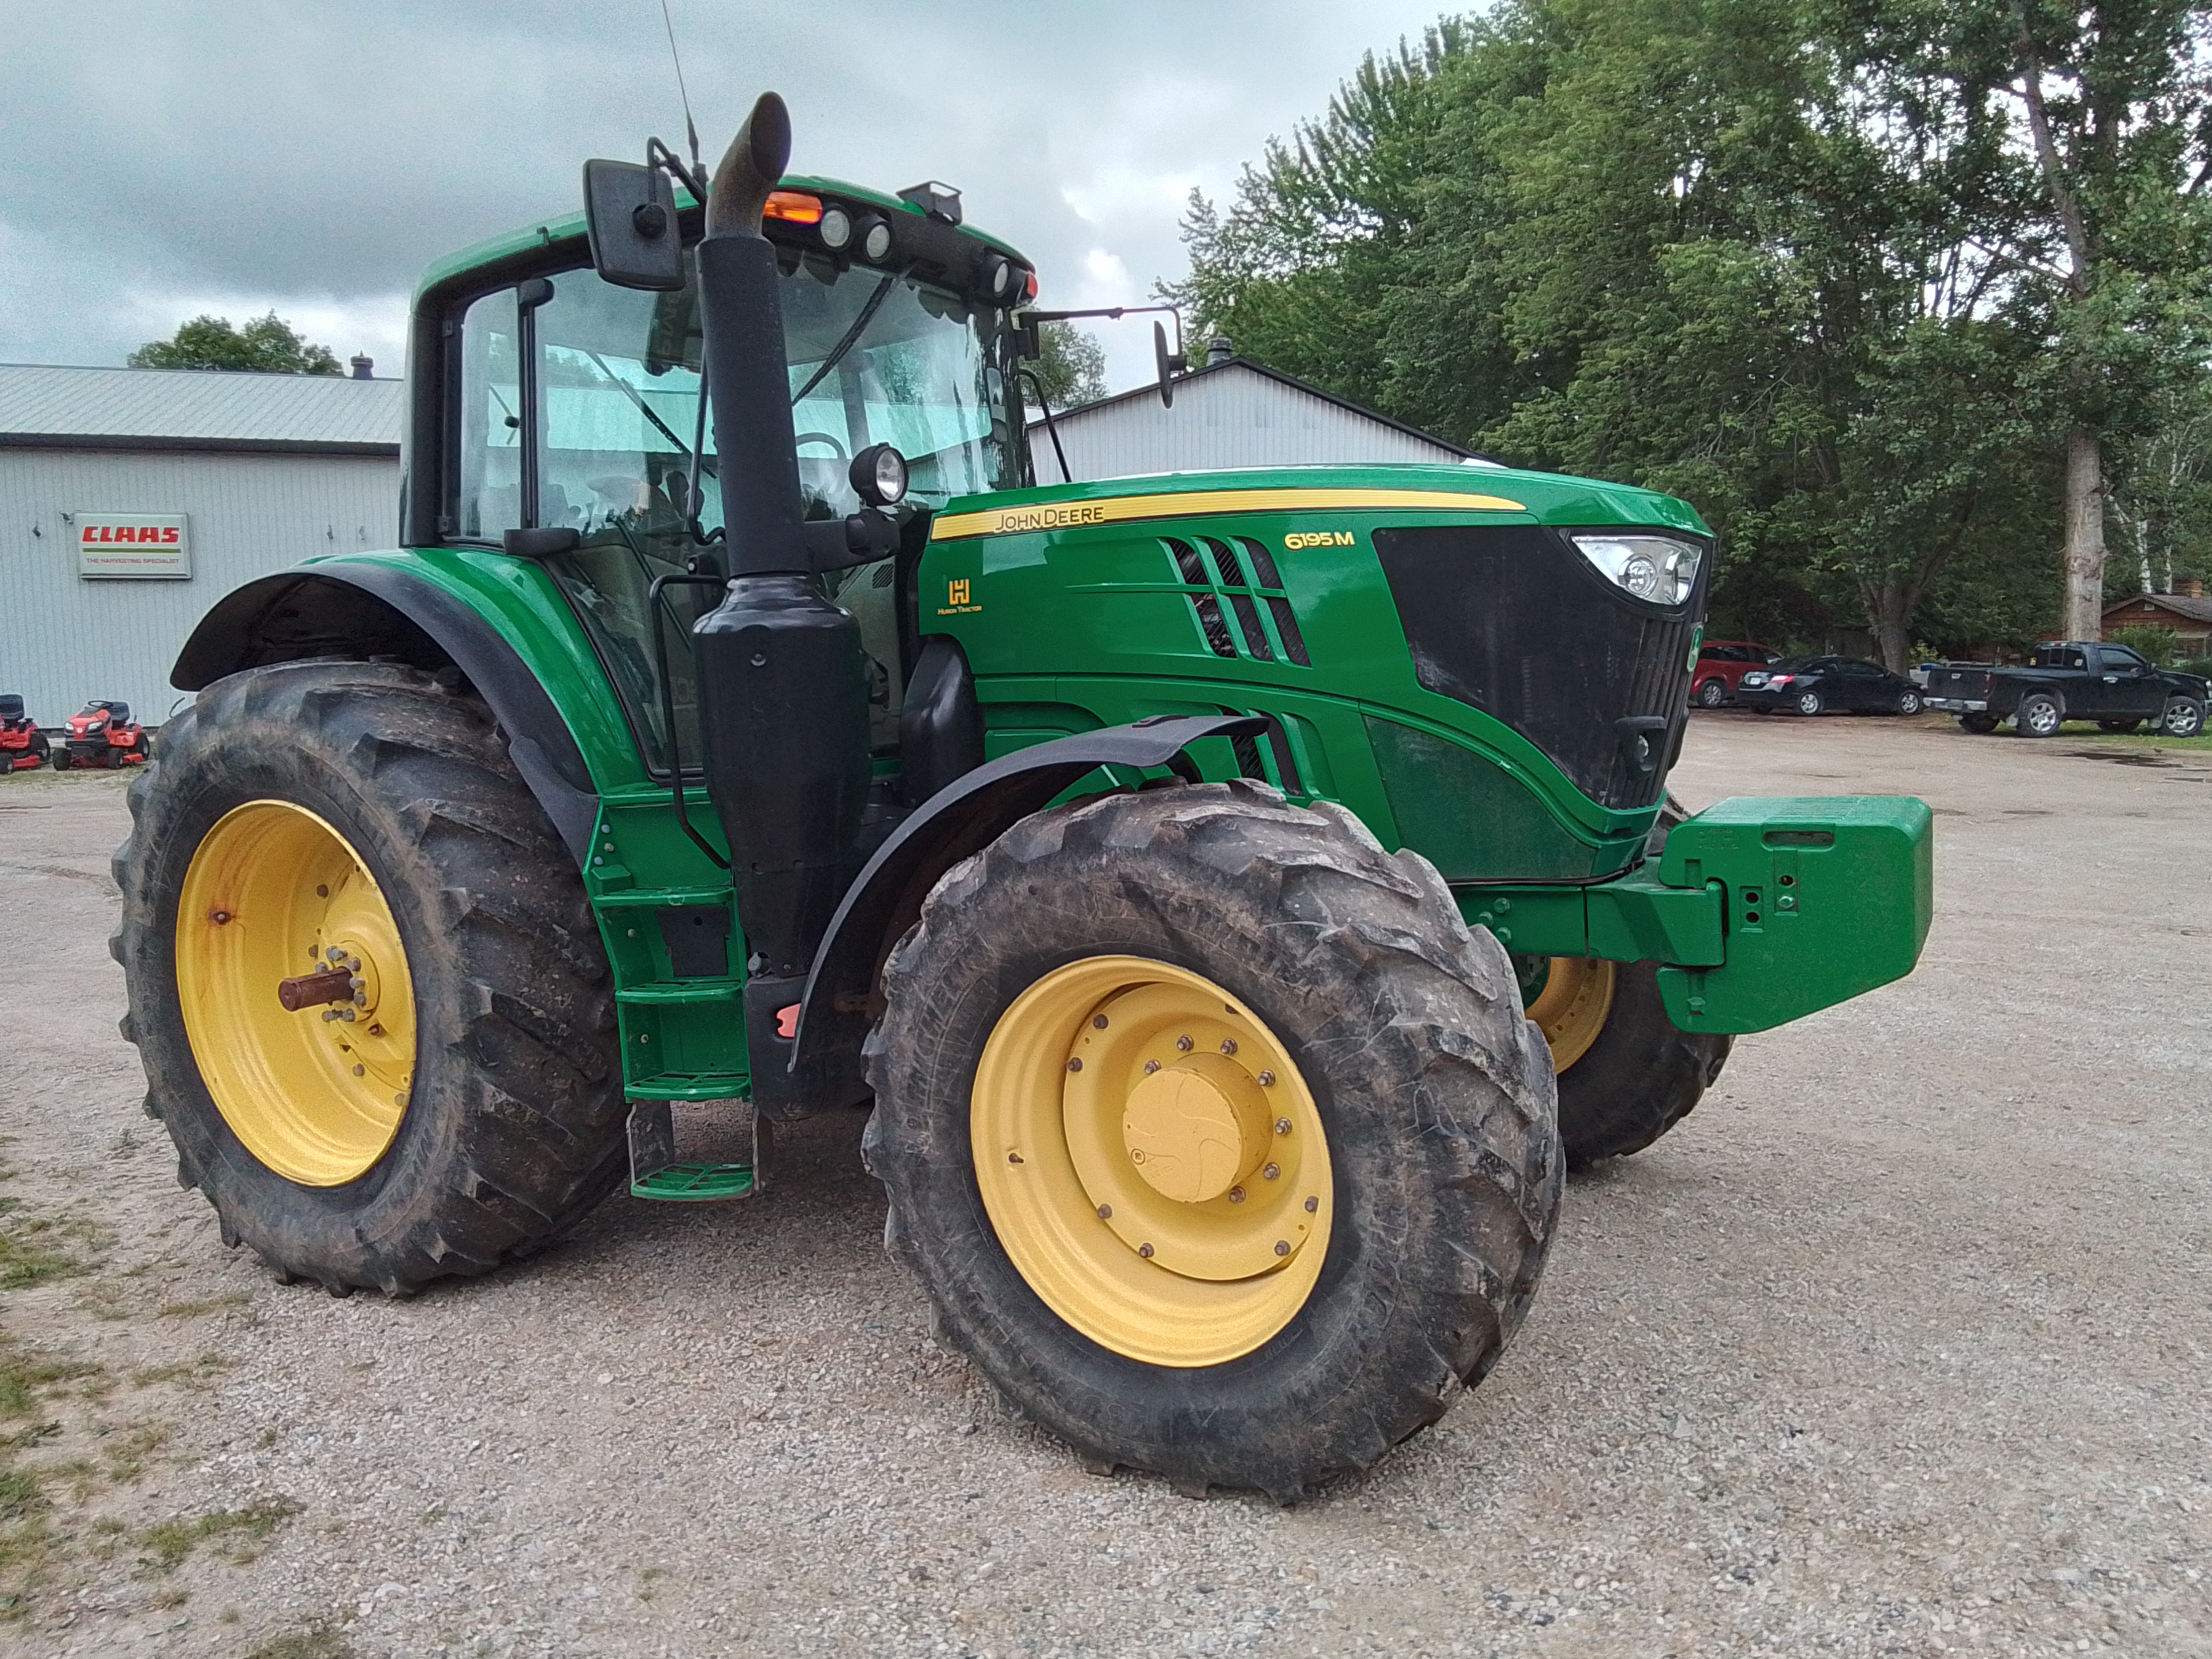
(1229, 417)
(64, 640)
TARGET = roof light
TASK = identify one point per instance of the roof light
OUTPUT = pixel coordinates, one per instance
(875, 238)
(836, 228)
(796, 206)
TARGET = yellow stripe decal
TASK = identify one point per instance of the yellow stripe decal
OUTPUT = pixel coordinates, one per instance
(1117, 509)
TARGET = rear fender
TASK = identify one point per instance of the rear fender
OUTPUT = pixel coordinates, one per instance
(372, 611)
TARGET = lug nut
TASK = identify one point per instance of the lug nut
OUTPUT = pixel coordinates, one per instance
(1266, 1079)
(1229, 1045)
(376, 1030)
(1013, 1157)
(1312, 1204)
(219, 917)
(334, 954)
(1105, 1212)
(361, 1070)
(1151, 1066)
(322, 891)
(1236, 1194)
(1074, 1065)
(1270, 1172)
(1098, 1022)
(328, 1014)
(1184, 1045)
(1146, 1251)
(1282, 1126)
(1282, 1247)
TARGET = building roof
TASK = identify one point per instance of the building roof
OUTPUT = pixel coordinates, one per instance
(43, 406)
(1246, 364)
(2180, 603)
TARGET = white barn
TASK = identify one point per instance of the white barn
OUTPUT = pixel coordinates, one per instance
(1230, 413)
(132, 499)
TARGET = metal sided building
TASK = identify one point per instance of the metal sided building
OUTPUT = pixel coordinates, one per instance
(1229, 413)
(132, 499)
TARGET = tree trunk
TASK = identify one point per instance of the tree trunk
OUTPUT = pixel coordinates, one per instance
(1889, 608)
(2085, 535)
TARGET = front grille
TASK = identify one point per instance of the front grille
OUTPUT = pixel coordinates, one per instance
(1512, 620)
(1215, 570)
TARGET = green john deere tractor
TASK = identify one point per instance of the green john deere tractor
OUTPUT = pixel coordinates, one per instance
(1240, 895)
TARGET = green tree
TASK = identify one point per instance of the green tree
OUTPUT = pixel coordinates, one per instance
(2107, 108)
(268, 345)
(1071, 369)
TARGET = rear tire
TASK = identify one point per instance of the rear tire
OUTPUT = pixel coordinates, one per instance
(1433, 1094)
(2183, 718)
(1712, 693)
(2039, 715)
(512, 1123)
(1807, 703)
(61, 758)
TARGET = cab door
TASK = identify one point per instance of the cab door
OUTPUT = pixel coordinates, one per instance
(2126, 687)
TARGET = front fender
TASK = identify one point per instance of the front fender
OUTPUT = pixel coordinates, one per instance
(841, 995)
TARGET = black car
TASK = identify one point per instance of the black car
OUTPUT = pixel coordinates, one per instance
(1816, 686)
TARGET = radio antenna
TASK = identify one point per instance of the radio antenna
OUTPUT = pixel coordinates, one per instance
(690, 132)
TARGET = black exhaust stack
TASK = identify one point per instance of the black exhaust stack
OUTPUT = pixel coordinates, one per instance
(783, 687)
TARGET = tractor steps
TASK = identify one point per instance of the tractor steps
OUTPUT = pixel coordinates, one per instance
(656, 1173)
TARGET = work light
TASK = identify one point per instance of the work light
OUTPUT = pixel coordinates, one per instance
(836, 228)
(879, 475)
(1655, 569)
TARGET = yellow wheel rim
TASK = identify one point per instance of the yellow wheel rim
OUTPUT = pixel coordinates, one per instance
(275, 893)
(1572, 1007)
(1151, 1160)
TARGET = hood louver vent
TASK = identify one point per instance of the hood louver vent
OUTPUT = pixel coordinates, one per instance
(1217, 572)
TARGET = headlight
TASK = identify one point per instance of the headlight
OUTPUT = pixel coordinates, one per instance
(1657, 569)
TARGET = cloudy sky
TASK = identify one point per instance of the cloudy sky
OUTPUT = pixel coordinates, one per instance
(163, 158)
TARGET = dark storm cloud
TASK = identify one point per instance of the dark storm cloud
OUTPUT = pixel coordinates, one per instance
(156, 159)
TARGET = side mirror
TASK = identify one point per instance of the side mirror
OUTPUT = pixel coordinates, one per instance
(630, 211)
(1171, 363)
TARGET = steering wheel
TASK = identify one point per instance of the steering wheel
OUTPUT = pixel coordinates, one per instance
(843, 454)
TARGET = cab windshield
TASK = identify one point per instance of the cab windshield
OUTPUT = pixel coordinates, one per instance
(606, 380)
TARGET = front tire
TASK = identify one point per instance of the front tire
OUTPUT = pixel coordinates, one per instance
(2183, 718)
(1712, 693)
(1102, 935)
(1628, 1073)
(462, 1104)
(1908, 702)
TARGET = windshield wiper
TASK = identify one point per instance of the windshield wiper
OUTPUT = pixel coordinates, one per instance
(630, 392)
(852, 335)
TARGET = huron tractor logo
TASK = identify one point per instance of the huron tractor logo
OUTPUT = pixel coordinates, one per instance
(958, 600)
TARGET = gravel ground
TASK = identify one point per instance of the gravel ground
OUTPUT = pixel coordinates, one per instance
(1898, 1346)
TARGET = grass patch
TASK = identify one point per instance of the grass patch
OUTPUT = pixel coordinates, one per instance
(21, 1377)
(321, 1643)
(27, 1257)
(2086, 731)
(172, 1541)
(204, 1306)
(184, 1371)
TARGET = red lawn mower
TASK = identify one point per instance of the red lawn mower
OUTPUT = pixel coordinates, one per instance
(22, 746)
(102, 734)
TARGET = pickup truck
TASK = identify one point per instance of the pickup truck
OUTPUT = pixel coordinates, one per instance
(2070, 680)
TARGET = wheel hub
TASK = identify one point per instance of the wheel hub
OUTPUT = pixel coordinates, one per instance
(296, 993)
(1151, 1160)
(1197, 1128)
